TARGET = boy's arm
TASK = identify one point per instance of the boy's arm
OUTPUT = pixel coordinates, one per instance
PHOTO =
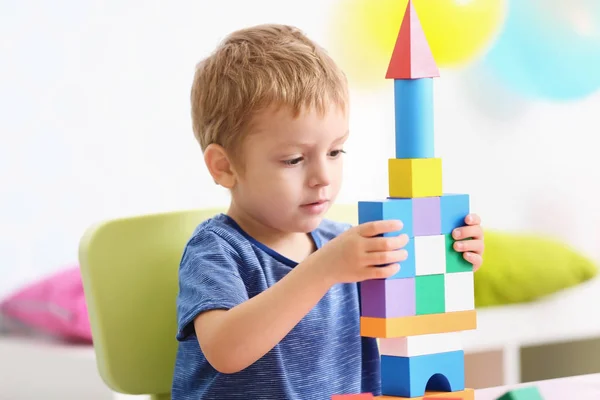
(233, 339)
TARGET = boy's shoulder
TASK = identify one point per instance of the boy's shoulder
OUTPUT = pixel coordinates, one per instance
(219, 226)
(221, 239)
(224, 230)
(218, 233)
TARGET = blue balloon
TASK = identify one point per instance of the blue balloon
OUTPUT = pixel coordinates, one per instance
(548, 49)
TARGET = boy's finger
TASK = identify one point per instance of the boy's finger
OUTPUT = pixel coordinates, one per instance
(469, 245)
(466, 232)
(374, 228)
(382, 272)
(387, 243)
(386, 257)
(474, 259)
(472, 219)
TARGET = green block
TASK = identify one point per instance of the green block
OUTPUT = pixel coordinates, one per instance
(455, 262)
(430, 294)
(525, 393)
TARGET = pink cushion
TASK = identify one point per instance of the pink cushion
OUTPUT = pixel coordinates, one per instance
(54, 305)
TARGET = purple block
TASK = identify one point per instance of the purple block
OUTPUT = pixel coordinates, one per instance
(427, 219)
(387, 298)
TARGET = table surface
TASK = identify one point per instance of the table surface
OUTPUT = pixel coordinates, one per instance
(581, 387)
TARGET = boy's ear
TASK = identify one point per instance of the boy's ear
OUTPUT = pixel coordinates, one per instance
(219, 165)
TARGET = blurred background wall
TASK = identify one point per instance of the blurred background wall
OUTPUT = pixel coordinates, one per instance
(94, 111)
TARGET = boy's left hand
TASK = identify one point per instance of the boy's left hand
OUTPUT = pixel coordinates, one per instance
(473, 248)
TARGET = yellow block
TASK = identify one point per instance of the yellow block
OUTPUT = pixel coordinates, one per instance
(378, 327)
(415, 177)
(467, 394)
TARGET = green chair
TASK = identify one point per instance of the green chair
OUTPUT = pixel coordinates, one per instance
(129, 269)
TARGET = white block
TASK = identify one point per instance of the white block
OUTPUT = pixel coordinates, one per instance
(430, 255)
(459, 291)
(410, 346)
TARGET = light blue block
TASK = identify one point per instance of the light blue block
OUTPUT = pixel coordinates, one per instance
(402, 209)
(377, 210)
(411, 376)
(413, 102)
(453, 210)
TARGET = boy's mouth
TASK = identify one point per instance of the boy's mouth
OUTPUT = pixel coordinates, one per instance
(315, 203)
(315, 208)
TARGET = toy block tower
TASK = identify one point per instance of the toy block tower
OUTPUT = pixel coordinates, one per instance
(419, 313)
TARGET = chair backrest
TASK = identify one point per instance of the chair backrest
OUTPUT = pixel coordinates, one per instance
(129, 270)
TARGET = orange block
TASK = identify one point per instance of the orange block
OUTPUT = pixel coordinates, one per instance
(418, 324)
(467, 394)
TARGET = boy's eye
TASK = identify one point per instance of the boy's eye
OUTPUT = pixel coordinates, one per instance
(336, 153)
(293, 161)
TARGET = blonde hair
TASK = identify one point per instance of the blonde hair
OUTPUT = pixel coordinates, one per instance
(255, 68)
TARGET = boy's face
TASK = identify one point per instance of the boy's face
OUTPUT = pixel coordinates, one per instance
(292, 168)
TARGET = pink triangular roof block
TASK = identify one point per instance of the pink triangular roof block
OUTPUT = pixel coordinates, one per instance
(412, 57)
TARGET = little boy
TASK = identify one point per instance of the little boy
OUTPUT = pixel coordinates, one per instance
(268, 306)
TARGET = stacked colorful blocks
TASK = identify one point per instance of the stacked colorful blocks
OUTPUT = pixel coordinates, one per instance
(434, 278)
(418, 313)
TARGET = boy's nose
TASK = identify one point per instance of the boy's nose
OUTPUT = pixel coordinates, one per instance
(320, 177)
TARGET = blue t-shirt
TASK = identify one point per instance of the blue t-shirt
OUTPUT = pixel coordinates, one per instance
(322, 355)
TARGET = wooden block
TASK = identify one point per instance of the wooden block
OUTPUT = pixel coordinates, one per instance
(418, 324)
(429, 291)
(467, 394)
(430, 255)
(523, 393)
(409, 346)
(453, 210)
(411, 58)
(387, 298)
(421, 216)
(455, 260)
(426, 216)
(378, 210)
(401, 209)
(414, 177)
(459, 291)
(412, 376)
(413, 106)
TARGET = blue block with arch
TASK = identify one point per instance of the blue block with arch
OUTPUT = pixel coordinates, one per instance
(412, 376)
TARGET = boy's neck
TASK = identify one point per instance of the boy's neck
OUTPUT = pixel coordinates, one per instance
(293, 245)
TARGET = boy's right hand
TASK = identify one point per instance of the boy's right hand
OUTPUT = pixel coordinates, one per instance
(360, 253)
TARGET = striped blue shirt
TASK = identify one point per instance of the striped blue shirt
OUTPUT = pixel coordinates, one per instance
(322, 355)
